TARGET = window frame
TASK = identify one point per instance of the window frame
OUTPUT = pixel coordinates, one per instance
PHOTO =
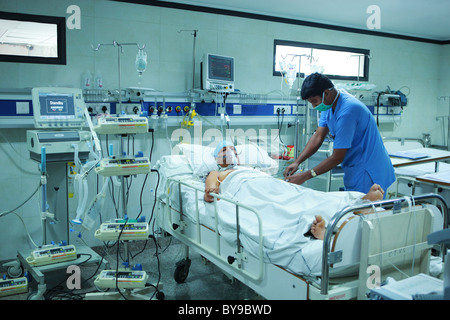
(365, 52)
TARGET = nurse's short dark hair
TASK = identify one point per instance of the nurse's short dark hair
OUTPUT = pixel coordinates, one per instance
(314, 85)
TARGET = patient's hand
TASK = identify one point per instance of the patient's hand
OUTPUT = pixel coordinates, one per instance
(212, 183)
(298, 178)
(208, 197)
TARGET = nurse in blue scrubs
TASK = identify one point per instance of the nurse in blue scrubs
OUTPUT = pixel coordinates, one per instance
(358, 145)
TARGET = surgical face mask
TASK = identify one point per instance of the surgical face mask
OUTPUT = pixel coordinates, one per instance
(323, 106)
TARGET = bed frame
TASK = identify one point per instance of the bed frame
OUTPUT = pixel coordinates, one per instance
(402, 254)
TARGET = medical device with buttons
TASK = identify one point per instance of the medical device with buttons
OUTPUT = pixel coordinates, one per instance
(59, 114)
(217, 73)
(13, 286)
(50, 254)
(58, 108)
(123, 166)
(123, 230)
(125, 279)
(58, 144)
(122, 125)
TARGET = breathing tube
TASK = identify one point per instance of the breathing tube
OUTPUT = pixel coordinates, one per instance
(80, 186)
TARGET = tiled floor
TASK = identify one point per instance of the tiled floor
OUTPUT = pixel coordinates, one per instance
(204, 282)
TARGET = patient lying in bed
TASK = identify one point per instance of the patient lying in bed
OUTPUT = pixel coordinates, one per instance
(227, 159)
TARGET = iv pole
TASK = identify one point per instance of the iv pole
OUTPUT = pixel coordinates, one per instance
(193, 69)
(448, 118)
(122, 144)
(119, 51)
(297, 120)
(193, 54)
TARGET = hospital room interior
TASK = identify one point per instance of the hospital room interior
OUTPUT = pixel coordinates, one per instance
(116, 115)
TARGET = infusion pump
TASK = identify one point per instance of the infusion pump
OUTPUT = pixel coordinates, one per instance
(123, 166)
(52, 254)
(123, 230)
(122, 125)
(123, 279)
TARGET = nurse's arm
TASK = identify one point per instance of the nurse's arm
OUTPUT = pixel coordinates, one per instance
(326, 165)
(313, 144)
(331, 162)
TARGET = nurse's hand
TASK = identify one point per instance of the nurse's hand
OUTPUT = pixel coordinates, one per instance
(298, 178)
(290, 169)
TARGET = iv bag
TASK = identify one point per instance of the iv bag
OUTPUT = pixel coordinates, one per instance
(141, 61)
(291, 73)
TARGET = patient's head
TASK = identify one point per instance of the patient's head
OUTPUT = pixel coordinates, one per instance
(226, 154)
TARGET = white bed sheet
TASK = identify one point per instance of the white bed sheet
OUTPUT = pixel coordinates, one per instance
(286, 210)
(421, 169)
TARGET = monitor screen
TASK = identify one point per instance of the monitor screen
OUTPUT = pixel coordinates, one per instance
(220, 68)
(57, 106)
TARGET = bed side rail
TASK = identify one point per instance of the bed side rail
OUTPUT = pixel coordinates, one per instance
(329, 257)
(229, 261)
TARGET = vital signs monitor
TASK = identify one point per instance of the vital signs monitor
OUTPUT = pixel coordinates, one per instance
(58, 108)
(218, 73)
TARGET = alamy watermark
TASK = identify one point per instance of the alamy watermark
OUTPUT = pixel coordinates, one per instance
(74, 280)
(374, 20)
(74, 20)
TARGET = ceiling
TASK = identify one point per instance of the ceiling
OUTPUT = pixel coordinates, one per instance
(426, 19)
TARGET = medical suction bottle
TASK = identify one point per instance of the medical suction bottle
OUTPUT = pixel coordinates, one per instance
(98, 80)
(86, 82)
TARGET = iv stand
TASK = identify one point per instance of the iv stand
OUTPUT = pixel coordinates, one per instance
(119, 51)
(193, 68)
(193, 54)
(448, 119)
(297, 120)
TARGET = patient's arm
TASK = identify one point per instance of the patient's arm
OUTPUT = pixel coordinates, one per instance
(212, 183)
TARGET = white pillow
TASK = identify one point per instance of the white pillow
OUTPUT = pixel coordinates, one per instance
(250, 154)
(203, 162)
(170, 166)
(200, 157)
(174, 165)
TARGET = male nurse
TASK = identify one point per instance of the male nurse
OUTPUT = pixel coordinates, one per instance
(357, 143)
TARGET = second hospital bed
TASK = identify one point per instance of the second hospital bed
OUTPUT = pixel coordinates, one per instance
(256, 233)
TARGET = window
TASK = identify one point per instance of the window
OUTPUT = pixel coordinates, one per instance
(32, 38)
(339, 63)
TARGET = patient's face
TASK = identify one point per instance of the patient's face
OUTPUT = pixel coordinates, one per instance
(225, 156)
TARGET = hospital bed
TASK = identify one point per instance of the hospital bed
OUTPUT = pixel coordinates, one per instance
(422, 175)
(357, 249)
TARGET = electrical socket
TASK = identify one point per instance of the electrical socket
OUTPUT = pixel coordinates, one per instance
(287, 109)
(98, 108)
(133, 108)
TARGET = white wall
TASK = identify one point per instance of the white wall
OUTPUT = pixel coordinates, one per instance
(418, 68)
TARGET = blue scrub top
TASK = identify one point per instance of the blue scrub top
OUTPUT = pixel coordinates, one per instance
(353, 127)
